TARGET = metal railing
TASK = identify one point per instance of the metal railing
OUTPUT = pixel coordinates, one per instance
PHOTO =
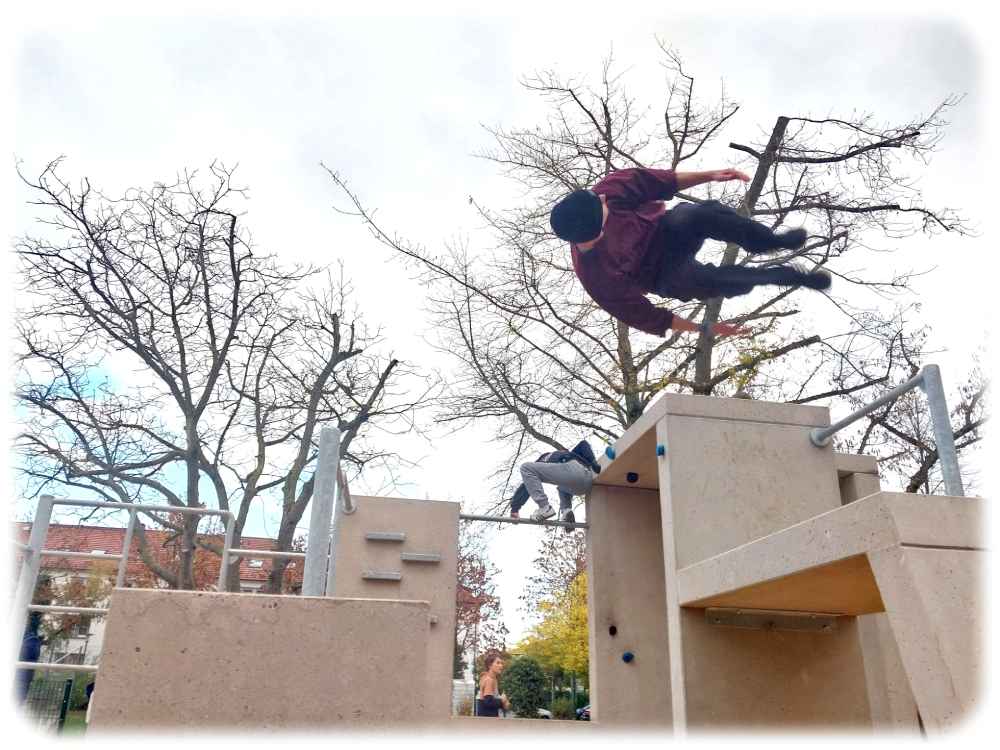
(929, 381)
(527, 521)
(35, 550)
(329, 481)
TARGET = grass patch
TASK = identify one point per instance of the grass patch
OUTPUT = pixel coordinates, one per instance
(76, 722)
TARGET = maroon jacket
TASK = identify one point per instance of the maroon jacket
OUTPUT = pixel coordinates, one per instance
(620, 270)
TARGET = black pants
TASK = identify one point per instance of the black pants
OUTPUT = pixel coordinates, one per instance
(685, 228)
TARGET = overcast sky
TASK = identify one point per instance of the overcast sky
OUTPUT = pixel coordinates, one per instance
(397, 107)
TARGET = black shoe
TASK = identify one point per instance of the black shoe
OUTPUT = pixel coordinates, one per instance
(793, 239)
(819, 280)
(567, 516)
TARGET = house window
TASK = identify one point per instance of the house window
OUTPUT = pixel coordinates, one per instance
(82, 628)
(256, 563)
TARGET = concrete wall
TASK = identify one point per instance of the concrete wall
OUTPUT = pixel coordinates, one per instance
(735, 471)
(626, 591)
(890, 699)
(430, 527)
(182, 659)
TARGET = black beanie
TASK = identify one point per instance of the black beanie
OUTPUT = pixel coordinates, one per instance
(578, 217)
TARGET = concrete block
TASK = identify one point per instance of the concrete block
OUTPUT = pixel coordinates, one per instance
(201, 660)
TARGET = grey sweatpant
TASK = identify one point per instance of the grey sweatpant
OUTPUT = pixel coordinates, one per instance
(571, 478)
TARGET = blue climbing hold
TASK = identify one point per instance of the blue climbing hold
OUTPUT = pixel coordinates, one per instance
(628, 656)
(610, 452)
(661, 450)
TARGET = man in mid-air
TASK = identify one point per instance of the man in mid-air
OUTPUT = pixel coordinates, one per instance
(626, 244)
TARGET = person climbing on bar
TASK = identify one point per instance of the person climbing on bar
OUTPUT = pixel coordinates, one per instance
(626, 244)
(572, 472)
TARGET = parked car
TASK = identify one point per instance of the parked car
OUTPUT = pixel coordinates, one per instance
(544, 713)
(583, 714)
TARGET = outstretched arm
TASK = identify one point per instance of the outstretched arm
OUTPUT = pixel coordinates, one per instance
(690, 179)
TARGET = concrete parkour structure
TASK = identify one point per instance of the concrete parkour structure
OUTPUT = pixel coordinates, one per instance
(741, 573)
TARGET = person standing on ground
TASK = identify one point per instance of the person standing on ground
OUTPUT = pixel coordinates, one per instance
(626, 244)
(490, 700)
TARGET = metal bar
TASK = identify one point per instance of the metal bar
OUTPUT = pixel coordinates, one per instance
(820, 436)
(226, 546)
(141, 507)
(266, 554)
(929, 381)
(29, 571)
(349, 506)
(72, 553)
(527, 521)
(342, 505)
(324, 489)
(67, 610)
(943, 437)
(126, 546)
(46, 666)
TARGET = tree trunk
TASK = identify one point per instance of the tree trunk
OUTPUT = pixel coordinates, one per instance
(706, 344)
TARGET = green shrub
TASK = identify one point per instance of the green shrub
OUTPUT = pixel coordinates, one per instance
(524, 683)
(562, 708)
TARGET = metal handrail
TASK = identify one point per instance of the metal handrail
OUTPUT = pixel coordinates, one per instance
(74, 553)
(528, 521)
(28, 578)
(929, 381)
(266, 554)
(55, 666)
(67, 610)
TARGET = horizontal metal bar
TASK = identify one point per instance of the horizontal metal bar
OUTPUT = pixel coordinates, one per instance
(266, 554)
(527, 521)
(55, 667)
(820, 436)
(140, 507)
(59, 609)
(74, 553)
(71, 553)
(421, 557)
(386, 536)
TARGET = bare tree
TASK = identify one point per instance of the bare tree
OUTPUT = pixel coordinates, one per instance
(544, 365)
(162, 360)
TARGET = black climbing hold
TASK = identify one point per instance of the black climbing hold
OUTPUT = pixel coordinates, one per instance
(613, 630)
(631, 477)
(628, 656)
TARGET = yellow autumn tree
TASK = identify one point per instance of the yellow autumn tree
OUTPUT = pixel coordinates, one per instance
(559, 640)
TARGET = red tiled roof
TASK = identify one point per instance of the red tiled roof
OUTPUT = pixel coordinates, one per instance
(74, 538)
